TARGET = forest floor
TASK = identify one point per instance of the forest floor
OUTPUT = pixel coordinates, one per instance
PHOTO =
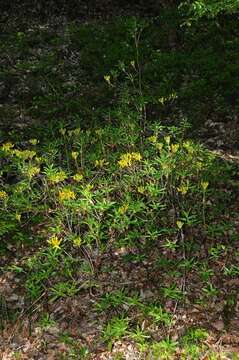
(132, 302)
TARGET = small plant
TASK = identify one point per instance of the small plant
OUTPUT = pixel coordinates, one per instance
(164, 350)
(139, 336)
(195, 336)
(217, 251)
(45, 322)
(172, 292)
(112, 301)
(115, 329)
(210, 291)
(205, 272)
(158, 315)
(63, 289)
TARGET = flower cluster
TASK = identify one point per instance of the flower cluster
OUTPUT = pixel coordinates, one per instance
(33, 142)
(123, 209)
(3, 195)
(77, 177)
(66, 194)
(57, 177)
(32, 171)
(55, 242)
(128, 159)
(183, 188)
(24, 154)
(74, 155)
(7, 146)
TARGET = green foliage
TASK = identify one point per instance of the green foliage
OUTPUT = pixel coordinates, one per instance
(211, 8)
(115, 329)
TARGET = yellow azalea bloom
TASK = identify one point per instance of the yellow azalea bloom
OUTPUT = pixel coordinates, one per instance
(183, 188)
(159, 146)
(167, 139)
(204, 185)
(18, 217)
(123, 209)
(77, 177)
(33, 141)
(127, 159)
(99, 132)
(77, 131)
(66, 194)
(89, 187)
(179, 224)
(77, 241)
(7, 146)
(62, 131)
(74, 155)
(107, 79)
(174, 148)
(55, 242)
(136, 156)
(153, 139)
(141, 189)
(25, 154)
(199, 165)
(33, 171)
(188, 146)
(3, 195)
(57, 177)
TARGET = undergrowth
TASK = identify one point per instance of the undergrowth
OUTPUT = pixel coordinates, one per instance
(108, 176)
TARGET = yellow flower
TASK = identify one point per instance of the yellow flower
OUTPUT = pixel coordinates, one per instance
(167, 139)
(199, 165)
(74, 132)
(123, 209)
(25, 154)
(188, 146)
(18, 217)
(66, 194)
(55, 242)
(33, 141)
(33, 171)
(125, 160)
(3, 195)
(141, 189)
(89, 187)
(204, 185)
(77, 241)
(174, 148)
(136, 156)
(38, 159)
(62, 131)
(99, 132)
(100, 163)
(153, 139)
(57, 177)
(107, 79)
(179, 224)
(74, 155)
(78, 177)
(183, 188)
(159, 146)
(7, 146)
(77, 131)
(128, 159)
